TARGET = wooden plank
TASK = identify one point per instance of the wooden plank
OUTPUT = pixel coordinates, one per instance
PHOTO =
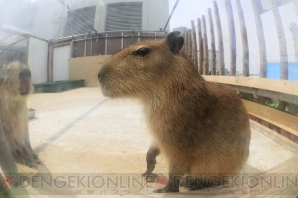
(220, 41)
(282, 86)
(205, 48)
(281, 119)
(213, 62)
(200, 41)
(245, 49)
(273, 135)
(261, 38)
(194, 45)
(232, 37)
(282, 41)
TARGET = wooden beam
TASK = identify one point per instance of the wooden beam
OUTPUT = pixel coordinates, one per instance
(205, 46)
(261, 38)
(200, 41)
(220, 41)
(282, 41)
(213, 62)
(282, 86)
(232, 37)
(245, 49)
(194, 45)
(278, 118)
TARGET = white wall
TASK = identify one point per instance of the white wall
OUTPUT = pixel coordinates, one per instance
(158, 14)
(47, 18)
(60, 63)
(155, 12)
(37, 59)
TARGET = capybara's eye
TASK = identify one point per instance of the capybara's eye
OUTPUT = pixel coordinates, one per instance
(142, 51)
(25, 74)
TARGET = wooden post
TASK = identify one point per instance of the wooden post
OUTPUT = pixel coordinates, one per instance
(183, 47)
(232, 37)
(295, 5)
(261, 38)
(50, 68)
(205, 46)
(186, 42)
(282, 41)
(27, 49)
(201, 53)
(245, 49)
(220, 41)
(189, 43)
(194, 45)
(71, 49)
(294, 30)
(213, 67)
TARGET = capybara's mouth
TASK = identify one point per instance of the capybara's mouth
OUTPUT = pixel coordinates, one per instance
(105, 91)
(24, 91)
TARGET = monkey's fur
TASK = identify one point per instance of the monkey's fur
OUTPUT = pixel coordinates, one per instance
(14, 113)
(201, 127)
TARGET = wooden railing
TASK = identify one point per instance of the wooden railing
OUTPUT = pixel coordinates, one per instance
(273, 103)
(259, 88)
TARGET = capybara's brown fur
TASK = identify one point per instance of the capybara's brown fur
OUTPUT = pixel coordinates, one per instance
(14, 112)
(201, 127)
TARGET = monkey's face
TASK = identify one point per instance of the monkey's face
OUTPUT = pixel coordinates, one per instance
(18, 78)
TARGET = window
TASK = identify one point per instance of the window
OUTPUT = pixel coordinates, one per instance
(124, 16)
(80, 20)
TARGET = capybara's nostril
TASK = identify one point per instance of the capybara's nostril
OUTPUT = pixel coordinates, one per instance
(98, 76)
(102, 74)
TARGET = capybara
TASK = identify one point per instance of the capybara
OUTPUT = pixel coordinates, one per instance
(201, 127)
(14, 112)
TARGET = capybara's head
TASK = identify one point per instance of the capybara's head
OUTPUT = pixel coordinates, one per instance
(146, 69)
(17, 78)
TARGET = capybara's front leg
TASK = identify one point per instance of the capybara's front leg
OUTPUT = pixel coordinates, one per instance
(151, 155)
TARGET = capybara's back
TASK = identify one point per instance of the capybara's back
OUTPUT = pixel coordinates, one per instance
(201, 127)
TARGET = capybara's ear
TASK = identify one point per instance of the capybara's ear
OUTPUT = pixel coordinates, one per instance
(175, 41)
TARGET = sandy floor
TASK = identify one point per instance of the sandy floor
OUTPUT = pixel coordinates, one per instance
(80, 132)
